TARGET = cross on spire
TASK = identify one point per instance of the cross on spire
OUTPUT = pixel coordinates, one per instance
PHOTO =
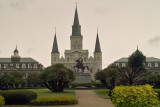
(76, 4)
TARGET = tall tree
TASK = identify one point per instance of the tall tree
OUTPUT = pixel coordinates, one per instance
(33, 80)
(18, 80)
(55, 77)
(5, 81)
(133, 73)
(108, 77)
(136, 60)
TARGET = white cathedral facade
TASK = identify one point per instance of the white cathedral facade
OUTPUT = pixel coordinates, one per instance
(76, 51)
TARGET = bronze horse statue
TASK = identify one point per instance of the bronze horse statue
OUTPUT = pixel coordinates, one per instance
(80, 65)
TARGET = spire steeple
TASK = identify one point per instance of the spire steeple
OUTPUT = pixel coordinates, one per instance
(97, 46)
(55, 45)
(76, 28)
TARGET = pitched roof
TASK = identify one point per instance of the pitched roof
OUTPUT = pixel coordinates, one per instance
(97, 46)
(152, 59)
(148, 59)
(8, 60)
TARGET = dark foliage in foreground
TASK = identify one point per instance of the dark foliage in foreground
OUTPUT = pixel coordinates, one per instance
(56, 77)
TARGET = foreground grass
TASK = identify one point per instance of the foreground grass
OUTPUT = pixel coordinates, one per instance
(103, 93)
(47, 93)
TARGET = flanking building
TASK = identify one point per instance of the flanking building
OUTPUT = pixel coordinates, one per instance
(76, 51)
(152, 64)
(16, 63)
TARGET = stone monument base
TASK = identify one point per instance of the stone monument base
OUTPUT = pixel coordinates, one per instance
(82, 78)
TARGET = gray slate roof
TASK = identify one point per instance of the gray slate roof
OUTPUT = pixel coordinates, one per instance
(8, 60)
(148, 59)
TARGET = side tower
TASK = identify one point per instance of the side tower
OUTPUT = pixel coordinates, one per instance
(55, 52)
(97, 55)
(76, 37)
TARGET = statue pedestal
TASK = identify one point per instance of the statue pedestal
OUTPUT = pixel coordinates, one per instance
(83, 78)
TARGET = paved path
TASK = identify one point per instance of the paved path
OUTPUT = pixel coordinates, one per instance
(86, 98)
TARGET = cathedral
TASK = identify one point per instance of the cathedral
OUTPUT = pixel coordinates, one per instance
(77, 52)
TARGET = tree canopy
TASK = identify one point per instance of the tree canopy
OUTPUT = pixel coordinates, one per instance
(133, 73)
(55, 77)
(136, 60)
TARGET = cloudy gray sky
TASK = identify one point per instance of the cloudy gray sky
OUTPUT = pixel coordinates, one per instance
(123, 24)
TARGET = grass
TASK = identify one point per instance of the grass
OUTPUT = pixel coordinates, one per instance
(47, 93)
(103, 93)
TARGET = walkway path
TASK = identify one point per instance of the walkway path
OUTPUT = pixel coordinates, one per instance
(86, 98)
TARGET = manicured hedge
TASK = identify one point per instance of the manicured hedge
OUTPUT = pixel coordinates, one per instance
(54, 101)
(18, 96)
(134, 96)
(1, 101)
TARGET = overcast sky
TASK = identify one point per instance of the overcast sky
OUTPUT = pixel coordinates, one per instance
(123, 24)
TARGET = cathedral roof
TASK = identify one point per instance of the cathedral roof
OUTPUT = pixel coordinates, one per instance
(97, 46)
(55, 45)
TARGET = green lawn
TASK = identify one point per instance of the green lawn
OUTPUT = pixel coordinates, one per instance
(103, 93)
(47, 93)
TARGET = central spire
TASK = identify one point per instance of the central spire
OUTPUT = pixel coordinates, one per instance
(76, 28)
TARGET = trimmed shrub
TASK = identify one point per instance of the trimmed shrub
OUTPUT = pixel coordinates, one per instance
(18, 96)
(54, 101)
(1, 101)
(134, 96)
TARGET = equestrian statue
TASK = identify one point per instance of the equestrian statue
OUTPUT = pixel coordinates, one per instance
(80, 65)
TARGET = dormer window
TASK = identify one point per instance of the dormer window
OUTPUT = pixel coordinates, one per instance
(117, 64)
(35, 65)
(29, 66)
(23, 65)
(149, 65)
(123, 65)
(5, 65)
(156, 65)
(17, 65)
(11, 65)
